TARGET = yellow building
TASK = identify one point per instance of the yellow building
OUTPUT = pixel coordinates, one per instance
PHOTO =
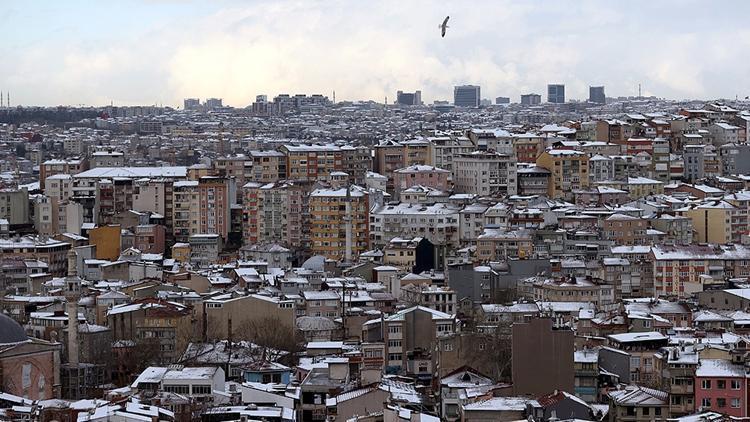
(181, 252)
(107, 241)
(716, 221)
(637, 187)
(496, 244)
(569, 171)
(328, 218)
(196, 171)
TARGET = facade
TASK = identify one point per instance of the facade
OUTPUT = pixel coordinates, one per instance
(421, 175)
(625, 229)
(485, 173)
(312, 162)
(409, 98)
(14, 206)
(276, 213)
(438, 223)
(536, 373)
(466, 96)
(717, 222)
(568, 171)
(410, 336)
(596, 95)
(339, 222)
(531, 99)
(556, 93)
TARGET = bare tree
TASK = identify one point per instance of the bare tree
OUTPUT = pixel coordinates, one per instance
(272, 336)
(489, 347)
(134, 359)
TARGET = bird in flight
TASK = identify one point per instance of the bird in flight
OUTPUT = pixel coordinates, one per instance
(444, 26)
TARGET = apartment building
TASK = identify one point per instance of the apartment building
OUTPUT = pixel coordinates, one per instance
(53, 167)
(168, 325)
(716, 221)
(681, 270)
(410, 336)
(339, 220)
(569, 171)
(268, 166)
(312, 162)
(216, 195)
(625, 229)
(485, 173)
(422, 175)
(276, 213)
(234, 312)
(438, 223)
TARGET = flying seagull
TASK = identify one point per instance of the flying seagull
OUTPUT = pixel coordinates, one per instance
(444, 26)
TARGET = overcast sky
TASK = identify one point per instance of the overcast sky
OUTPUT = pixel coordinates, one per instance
(161, 51)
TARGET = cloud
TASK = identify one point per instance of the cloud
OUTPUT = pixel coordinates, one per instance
(368, 50)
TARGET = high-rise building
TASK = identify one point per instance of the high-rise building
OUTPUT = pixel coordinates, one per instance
(192, 103)
(502, 100)
(409, 98)
(596, 95)
(531, 99)
(212, 103)
(556, 93)
(484, 173)
(466, 96)
(339, 219)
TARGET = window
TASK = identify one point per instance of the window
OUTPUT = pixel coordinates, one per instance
(721, 384)
(179, 389)
(706, 402)
(706, 384)
(721, 402)
(394, 343)
(201, 389)
(735, 384)
(735, 403)
(394, 329)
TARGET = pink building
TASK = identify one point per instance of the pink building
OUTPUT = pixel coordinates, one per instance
(721, 386)
(423, 175)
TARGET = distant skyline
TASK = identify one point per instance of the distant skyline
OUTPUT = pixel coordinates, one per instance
(161, 51)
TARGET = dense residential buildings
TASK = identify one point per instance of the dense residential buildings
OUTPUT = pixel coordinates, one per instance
(306, 259)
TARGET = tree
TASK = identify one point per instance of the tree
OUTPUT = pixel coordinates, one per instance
(272, 336)
(488, 348)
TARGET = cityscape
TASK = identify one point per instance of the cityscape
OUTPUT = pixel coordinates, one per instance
(510, 252)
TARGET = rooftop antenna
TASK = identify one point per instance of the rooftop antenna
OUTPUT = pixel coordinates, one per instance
(334, 96)
(639, 90)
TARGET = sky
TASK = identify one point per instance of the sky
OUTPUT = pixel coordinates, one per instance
(160, 51)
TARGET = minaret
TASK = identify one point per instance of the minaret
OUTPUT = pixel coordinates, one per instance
(348, 224)
(72, 288)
